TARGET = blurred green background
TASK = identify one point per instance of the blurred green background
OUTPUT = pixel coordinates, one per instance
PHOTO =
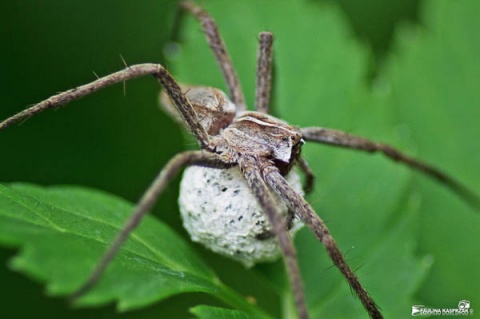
(115, 141)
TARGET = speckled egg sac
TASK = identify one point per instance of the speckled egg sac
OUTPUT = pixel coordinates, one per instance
(219, 210)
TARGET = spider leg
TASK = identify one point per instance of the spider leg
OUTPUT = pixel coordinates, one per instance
(165, 78)
(309, 176)
(298, 204)
(342, 139)
(252, 173)
(288, 224)
(264, 72)
(219, 49)
(146, 202)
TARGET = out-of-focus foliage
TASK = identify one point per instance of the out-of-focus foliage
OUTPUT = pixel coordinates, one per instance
(412, 240)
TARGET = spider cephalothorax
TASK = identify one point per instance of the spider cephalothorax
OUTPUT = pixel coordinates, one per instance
(245, 133)
(262, 149)
(262, 136)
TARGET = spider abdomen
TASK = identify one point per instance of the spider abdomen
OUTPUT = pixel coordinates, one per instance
(214, 109)
(219, 211)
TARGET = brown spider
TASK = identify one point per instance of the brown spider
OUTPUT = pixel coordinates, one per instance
(263, 147)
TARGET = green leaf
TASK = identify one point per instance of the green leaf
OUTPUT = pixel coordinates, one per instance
(208, 312)
(391, 223)
(434, 81)
(64, 230)
(373, 207)
(321, 75)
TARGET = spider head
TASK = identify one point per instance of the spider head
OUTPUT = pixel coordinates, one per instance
(263, 136)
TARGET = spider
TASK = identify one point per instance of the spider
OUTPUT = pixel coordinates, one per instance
(263, 147)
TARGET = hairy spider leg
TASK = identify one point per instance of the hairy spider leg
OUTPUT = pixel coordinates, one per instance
(342, 139)
(299, 205)
(251, 171)
(148, 199)
(219, 49)
(264, 72)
